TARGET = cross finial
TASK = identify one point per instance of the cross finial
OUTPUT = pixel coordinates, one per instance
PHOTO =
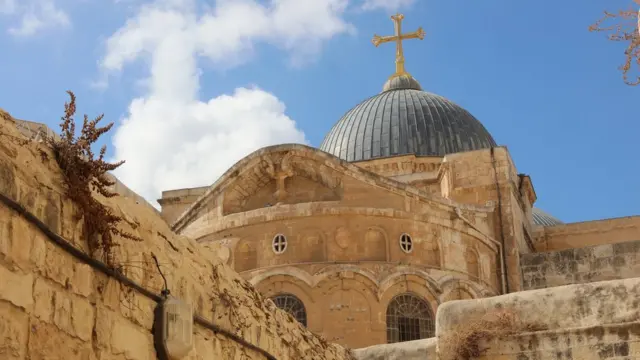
(398, 37)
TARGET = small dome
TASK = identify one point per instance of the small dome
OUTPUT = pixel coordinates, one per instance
(404, 120)
(541, 218)
(405, 81)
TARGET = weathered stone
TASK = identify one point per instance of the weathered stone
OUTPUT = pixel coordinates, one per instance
(130, 340)
(138, 308)
(595, 264)
(38, 254)
(16, 288)
(47, 342)
(58, 265)
(104, 327)
(82, 283)
(16, 238)
(82, 318)
(62, 313)
(8, 186)
(44, 298)
(14, 332)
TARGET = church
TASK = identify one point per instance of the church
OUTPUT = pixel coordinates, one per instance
(408, 203)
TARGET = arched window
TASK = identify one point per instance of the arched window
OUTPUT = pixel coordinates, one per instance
(292, 305)
(409, 318)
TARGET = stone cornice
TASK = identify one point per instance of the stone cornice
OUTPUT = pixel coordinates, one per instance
(584, 227)
(292, 211)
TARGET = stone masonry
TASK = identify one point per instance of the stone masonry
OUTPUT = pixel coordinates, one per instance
(55, 307)
(582, 265)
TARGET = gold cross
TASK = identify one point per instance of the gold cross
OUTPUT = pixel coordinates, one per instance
(398, 37)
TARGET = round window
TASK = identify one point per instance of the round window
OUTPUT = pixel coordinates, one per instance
(406, 243)
(279, 244)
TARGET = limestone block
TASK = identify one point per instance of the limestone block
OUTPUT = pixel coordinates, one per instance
(103, 327)
(62, 313)
(634, 349)
(105, 355)
(137, 308)
(47, 342)
(8, 185)
(82, 283)
(16, 288)
(14, 327)
(39, 251)
(15, 241)
(129, 340)
(82, 318)
(110, 292)
(204, 347)
(43, 296)
(410, 350)
(48, 210)
(58, 265)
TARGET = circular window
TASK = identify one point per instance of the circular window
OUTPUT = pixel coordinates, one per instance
(279, 244)
(406, 243)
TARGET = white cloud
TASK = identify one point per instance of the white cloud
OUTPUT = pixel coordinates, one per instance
(170, 139)
(388, 5)
(7, 6)
(35, 16)
(175, 144)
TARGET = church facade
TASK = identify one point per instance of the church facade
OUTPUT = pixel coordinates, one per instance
(407, 203)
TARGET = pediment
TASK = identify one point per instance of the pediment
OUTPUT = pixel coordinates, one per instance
(265, 173)
(281, 178)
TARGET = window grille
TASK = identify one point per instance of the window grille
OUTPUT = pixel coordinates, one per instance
(406, 243)
(279, 244)
(409, 318)
(292, 305)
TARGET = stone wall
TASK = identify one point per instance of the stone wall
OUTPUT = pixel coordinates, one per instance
(587, 233)
(490, 177)
(582, 322)
(614, 342)
(575, 266)
(53, 306)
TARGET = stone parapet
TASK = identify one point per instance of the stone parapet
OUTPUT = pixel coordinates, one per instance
(600, 320)
(410, 350)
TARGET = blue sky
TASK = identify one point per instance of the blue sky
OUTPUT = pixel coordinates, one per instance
(213, 81)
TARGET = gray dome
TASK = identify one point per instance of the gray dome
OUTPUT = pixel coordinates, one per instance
(541, 218)
(404, 120)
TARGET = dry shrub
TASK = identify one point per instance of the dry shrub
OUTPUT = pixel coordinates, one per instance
(464, 342)
(84, 174)
(623, 27)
